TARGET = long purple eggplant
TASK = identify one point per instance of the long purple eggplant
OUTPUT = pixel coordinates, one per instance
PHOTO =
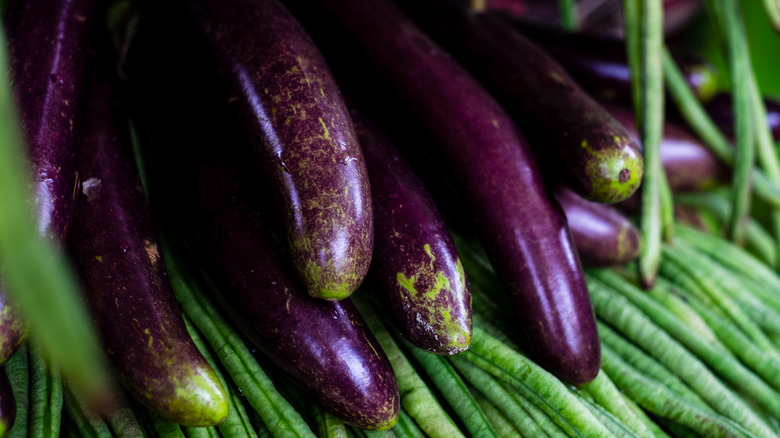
(48, 56)
(229, 223)
(576, 140)
(418, 272)
(124, 279)
(602, 235)
(600, 64)
(48, 53)
(689, 165)
(298, 122)
(523, 228)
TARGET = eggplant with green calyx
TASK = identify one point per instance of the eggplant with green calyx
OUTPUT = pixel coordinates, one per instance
(125, 285)
(602, 235)
(689, 165)
(522, 227)
(417, 270)
(225, 216)
(299, 124)
(576, 140)
(599, 63)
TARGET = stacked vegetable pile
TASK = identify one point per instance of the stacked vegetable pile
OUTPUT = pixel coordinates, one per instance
(349, 218)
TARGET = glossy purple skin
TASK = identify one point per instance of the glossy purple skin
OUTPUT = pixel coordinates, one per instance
(7, 404)
(522, 227)
(418, 273)
(229, 222)
(576, 140)
(600, 65)
(13, 332)
(124, 280)
(721, 109)
(48, 56)
(602, 235)
(299, 123)
(323, 346)
(690, 166)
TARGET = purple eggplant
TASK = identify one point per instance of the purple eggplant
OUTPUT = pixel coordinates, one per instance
(600, 65)
(229, 223)
(689, 165)
(602, 235)
(418, 273)
(576, 140)
(48, 56)
(124, 280)
(298, 122)
(721, 109)
(523, 228)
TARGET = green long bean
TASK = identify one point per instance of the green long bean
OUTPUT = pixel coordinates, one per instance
(643, 21)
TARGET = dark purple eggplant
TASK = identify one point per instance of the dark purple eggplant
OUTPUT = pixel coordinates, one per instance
(298, 122)
(721, 110)
(418, 273)
(523, 228)
(125, 284)
(600, 65)
(7, 403)
(48, 57)
(602, 235)
(228, 221)
(689, 165)
(576, 140)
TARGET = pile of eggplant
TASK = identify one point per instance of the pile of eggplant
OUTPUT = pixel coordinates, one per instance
(332, 178)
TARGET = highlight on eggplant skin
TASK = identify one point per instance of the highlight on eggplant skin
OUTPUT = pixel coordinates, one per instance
(48, 50)
(124, 280)
(417, 271)
(602, 235)
(298, 122)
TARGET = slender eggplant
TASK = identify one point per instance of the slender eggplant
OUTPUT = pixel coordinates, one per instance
(523, 228)
(48, 53)
(227, 219)
(602, 235)
(600, 65)
(577, 141)
(7, 403)
(298, 122)
(689, 165)
(48, 57)
(721, 109)
(124, 280)
(417, 269)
